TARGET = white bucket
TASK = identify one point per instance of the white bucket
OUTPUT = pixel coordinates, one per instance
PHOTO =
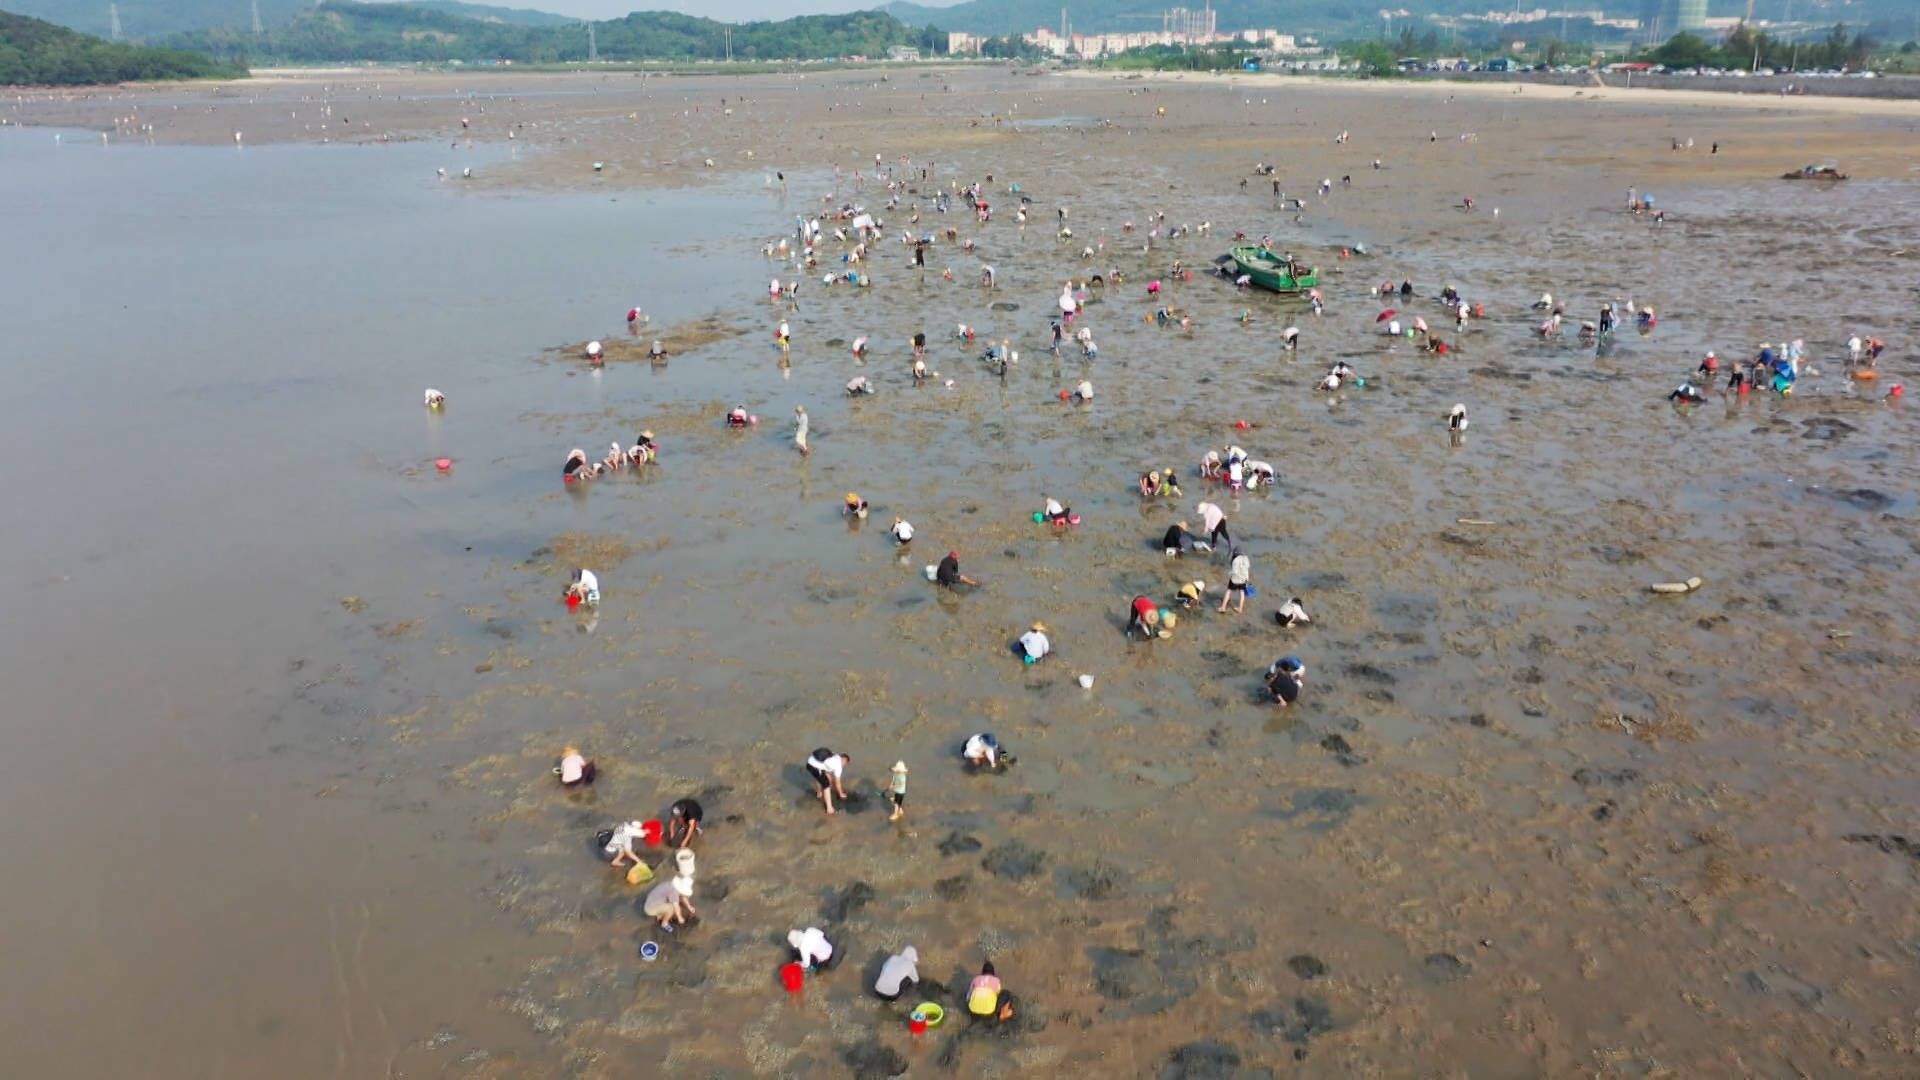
(1086, 682)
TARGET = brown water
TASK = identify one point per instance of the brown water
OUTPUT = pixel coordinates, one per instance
(279, 798)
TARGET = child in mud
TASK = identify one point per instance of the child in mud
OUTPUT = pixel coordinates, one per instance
(1055, 513)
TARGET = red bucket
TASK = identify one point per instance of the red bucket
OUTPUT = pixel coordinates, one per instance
(651, 830)
(792, 976)
(917, 1026)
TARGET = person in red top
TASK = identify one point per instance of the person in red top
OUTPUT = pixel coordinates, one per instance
(1144, 615)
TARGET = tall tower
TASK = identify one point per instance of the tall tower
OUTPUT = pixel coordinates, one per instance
(257, 28)
(1690, 14)
(113, 17)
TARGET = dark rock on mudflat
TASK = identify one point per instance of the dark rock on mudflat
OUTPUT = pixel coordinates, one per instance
(841, 903)
(958, 844)
(1014, 860)
(874, 1060)
(1892, 845)
(1097, 882)
(1446, 967)
(1202, 1061)
(1587, 776)
(1307, 966)
(952, 888)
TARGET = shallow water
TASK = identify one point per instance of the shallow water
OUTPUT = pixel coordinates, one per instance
(1522, 798)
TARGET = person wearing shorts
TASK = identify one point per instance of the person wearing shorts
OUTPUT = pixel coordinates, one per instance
(897, 791)
(1143, 616)
(1239, 575)
(826, 768)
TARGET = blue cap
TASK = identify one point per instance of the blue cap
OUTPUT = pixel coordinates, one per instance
(1291, 663)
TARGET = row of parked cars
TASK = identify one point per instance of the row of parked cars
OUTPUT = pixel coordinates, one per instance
(1738, 73)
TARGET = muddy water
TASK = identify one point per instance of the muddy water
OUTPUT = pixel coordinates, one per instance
(1527, 819)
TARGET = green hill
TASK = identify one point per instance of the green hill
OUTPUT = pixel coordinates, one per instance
(148, 19)
(39, 53)
(488, 13)
(144, 20)
(342, 31)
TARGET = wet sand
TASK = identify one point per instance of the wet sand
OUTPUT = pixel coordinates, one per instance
(1527, 819)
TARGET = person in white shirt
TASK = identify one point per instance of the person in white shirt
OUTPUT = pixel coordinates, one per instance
(1054, 512)
(585, 585)
(1084, 391)
(1239, 575)
(984, 749)
(435, 398)
(902, 530)
(1214, 520)
(1034, 644)
(826, 768)
(1258, 473)
(1291, 613)
(898, 975)
(619, 847)
(811, 949)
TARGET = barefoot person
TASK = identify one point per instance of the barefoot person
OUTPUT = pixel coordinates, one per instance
(826, 768)
(897, 791)
(671, 902)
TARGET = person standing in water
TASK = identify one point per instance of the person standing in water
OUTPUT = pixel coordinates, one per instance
(1214, 521)
(800, 430)
(1239, 577)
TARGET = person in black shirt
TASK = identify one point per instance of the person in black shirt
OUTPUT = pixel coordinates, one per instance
(683, 821)
(949, 574)
(1176, 540)
(1284, 680)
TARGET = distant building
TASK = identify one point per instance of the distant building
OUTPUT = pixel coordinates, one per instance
(902, 52)
(959, 44)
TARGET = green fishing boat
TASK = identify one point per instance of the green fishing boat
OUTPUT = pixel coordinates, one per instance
(1280, 273)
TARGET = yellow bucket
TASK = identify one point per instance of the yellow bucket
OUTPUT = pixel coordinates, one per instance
(929, 1012)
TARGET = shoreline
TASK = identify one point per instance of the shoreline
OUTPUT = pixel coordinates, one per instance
(1639, 96)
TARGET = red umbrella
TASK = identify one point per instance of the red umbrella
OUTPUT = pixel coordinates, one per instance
(1385, 315)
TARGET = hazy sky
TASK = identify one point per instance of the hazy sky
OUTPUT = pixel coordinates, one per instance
(726, 10)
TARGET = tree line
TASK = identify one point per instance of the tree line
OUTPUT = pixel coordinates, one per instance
(1749, 48)
(39, 53)
(342, 31)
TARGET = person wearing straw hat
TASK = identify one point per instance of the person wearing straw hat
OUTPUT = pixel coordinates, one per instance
(1177, 539)
(854, 505)
(671, 902)
(1144, 616)
(574, 769)
(897, 791)
(1191, 592)
(593, 352)
(1034, 644)
(643, 449)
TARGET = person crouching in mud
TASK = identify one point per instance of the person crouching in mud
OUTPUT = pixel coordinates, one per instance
(1143, 616)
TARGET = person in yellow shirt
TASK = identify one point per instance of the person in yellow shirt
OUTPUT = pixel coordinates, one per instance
(986, 998)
